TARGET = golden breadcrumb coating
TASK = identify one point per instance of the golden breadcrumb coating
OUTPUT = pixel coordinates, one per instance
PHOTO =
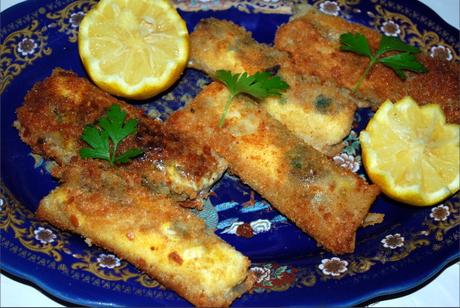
(324, 200)
(166, 241)
(56, 110)
(313, 40)
(319, 113)
(129, 209)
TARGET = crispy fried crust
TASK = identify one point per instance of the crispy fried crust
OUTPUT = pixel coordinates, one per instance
(319, 34)
(324, 200)
(128, 209)
(161, 238)
(220, 44)
(56, 110)
(307, 108)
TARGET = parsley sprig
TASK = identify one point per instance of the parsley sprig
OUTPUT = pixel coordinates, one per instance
(112, 127)
(260, 85)
(406, 60)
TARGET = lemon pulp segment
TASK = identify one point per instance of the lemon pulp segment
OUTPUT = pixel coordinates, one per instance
(134, 49)
(412, 153)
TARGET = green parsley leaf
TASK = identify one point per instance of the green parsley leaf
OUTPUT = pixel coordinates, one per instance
(406, 60)
(98, 140)
(112, 127)
(356, 43)
(259, 85)
(389, 43)
(126, 156)
(403, 61)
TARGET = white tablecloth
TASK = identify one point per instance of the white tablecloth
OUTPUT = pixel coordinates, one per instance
(442, 291)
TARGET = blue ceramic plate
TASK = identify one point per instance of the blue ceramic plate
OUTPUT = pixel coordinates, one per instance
(409, 247)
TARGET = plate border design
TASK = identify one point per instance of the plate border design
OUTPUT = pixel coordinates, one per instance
(16, 219)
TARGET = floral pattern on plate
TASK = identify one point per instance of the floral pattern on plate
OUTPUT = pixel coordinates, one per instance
(37, 37)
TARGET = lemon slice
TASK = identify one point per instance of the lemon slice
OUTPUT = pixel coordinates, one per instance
(411, 153)
(134, 49)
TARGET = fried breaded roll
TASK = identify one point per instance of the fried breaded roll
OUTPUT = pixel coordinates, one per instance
(56, 110)
(319, 113)
(128, 209)
(313, 41)
(159, 237)
(324, 200)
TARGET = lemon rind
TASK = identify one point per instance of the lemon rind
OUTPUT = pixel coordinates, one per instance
(410, 193)
(148, 86)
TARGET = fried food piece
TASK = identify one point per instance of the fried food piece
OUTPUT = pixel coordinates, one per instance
(318, 113)
(313, 41)
(324, 200)
(164, 240)
(56, 110)
(373, 219)
(128, 209)
(220, 44)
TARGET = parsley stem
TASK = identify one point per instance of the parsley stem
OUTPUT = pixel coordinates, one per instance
(112, 157)
(226, 108)
(364, 75)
